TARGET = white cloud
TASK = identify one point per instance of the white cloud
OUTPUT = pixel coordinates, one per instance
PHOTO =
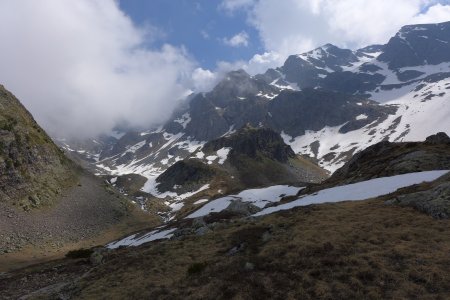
(259, 63)
(359, 23)
(204, 80)
(435, 14)
(204, 34)
(81, 67)
(238, 40)
(295, 26)
(232, 5)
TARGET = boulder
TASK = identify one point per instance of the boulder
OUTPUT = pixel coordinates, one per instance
(434, 202)
(96, 257)
(242, 208)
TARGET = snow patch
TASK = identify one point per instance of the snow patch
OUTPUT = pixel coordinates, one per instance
(201, 201)
(359, 191)
(136, 240)
(258, 197)
(223, 154)
(211, 159)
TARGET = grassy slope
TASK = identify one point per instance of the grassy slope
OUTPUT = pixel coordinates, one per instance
(48, 204)
(33, 170)
(333, 251)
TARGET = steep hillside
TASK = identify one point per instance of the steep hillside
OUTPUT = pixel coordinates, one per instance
(48, 204)
(33, 170)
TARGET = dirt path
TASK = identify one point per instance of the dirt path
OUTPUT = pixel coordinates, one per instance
(86, 215)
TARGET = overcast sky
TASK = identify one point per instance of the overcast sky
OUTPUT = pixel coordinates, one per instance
(83, 66)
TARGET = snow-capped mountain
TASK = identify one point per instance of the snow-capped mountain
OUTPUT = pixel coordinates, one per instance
(328, 103)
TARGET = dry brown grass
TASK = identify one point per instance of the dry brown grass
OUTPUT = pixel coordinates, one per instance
(353, 250)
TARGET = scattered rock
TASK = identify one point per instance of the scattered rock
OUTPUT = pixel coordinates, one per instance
(267, 236)
(198, 222)
(180, 233)
(96, 257)
(249, 266)
(435, 202)
(243, 208)
(202, 230)
(236, 249)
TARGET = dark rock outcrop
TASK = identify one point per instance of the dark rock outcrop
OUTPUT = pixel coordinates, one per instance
(434, 202)
(186, 173)
(416, 45)
(254, 143)
(256, 157)
(438, 138)
(388, 159)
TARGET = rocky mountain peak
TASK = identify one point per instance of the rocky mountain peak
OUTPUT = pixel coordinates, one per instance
(416, 45)
(237, 85)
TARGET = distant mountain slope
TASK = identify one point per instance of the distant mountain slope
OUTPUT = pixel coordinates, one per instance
(33, 170)
(250, 157)
(329, 104)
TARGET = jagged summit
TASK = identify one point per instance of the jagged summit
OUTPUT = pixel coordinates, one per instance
(416, 45)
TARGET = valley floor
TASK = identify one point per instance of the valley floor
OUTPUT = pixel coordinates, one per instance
(86, 215)
(357, 250)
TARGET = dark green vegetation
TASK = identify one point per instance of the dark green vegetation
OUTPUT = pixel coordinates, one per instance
(33, 171)
(79, 253)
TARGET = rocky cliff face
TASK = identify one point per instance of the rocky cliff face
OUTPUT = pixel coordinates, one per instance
(33, 170)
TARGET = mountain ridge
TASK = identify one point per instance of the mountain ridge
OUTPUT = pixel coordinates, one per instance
(328, 104)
